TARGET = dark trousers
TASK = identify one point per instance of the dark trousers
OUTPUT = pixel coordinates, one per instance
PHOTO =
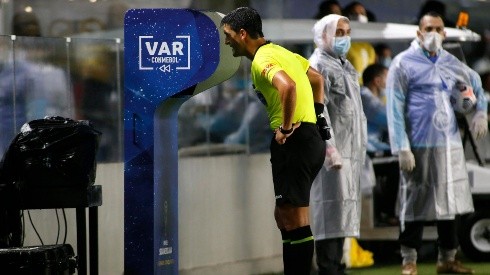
(446, 233)
(386, 189)
(329, 254)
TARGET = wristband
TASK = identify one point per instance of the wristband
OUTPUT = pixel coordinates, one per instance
(319, 108)
(285, 132)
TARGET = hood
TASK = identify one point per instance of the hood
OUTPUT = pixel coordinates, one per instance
(324, 31)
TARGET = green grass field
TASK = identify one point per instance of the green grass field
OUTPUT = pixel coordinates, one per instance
(423, 268)
(387, 260)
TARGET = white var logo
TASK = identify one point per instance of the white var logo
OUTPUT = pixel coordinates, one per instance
(163, 55)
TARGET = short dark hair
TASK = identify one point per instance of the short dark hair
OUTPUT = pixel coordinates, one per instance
(244, 18)
(325, 8)
(380, 47)
(371, 72)
(350, 8)
(26, 24)
(434, 6)
(431, 14)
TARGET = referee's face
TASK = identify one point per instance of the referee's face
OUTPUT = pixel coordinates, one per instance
(233, 39)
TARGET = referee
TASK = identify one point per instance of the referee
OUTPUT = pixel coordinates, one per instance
(292, 93)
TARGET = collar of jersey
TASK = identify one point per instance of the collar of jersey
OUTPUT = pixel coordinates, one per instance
(266, 42)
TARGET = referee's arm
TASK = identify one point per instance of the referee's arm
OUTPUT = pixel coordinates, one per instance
(287, 93)
(316, 81)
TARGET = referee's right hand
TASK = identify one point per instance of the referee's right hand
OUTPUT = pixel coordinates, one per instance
(281, 137)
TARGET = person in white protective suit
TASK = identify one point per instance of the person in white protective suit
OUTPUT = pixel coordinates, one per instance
(335, 197)
(424, 134)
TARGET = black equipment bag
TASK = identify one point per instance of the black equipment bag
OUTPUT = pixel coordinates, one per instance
(10, 226)
(53, 151)
(38, 260)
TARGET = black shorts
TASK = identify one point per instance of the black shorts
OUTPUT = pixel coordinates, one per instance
(295, 165)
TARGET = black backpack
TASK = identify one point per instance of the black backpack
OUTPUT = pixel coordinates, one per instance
(53, 151)
(49, 152)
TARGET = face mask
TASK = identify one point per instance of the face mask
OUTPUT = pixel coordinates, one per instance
(341, 45)
(432, 41)
(362, 18)
(359, 18)
(385, 61)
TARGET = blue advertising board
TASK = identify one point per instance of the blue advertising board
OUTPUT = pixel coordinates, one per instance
(170, 55)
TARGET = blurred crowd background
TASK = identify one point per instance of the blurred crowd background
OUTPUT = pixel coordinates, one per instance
(67, 59)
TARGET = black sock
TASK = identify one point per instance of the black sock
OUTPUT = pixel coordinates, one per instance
(298, 247)
(286, 244)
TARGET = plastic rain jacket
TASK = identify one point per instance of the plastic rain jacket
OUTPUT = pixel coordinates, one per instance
(421, 119)
(335, 198)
